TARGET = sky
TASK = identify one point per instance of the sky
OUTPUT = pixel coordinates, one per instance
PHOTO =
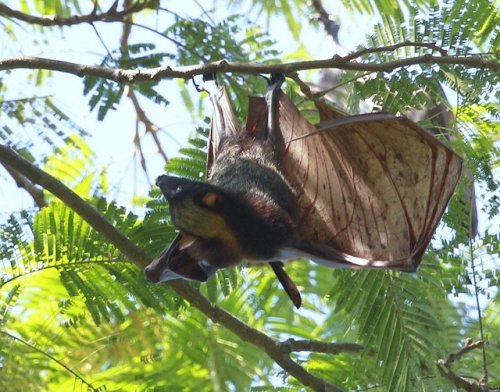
(112, 139)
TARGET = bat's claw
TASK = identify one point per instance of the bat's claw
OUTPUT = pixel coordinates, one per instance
(209, 82)
(276, 80)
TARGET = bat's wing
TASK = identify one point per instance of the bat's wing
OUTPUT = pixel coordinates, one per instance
(372, 188)
(174, 261)
(224, 124)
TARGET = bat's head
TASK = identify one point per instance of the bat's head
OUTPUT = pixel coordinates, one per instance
(218, 228)
(248, 222)
(198, 208)
(205, 243)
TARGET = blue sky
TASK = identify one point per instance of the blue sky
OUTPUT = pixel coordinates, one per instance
(112, 139)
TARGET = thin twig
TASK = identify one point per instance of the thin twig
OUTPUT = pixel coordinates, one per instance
(22, 182)
(126, 29)
(94, 218)
(51, 357)
(149, 126)
(141, 116)
(479, 315)
(205, 13)
(186, 72)
(331, 27)
(304, 87)
(469, 346)
(111, 15)
(293, 345)
(322, 93)
(177, 43)
(460, 382)
(444, 367)
(390, 48)
(110, 55)
(138, 148)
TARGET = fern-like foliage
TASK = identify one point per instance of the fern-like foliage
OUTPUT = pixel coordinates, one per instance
(45, 126)
(392, 316)
(436, 28)
(233, 39)
(106, 94)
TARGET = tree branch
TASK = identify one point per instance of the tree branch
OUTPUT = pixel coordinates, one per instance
(331, 27)
(111, 15)
(45, 353)
(11, 159)
(293, 345)
(22, 182)
(149, 126)
(276, 350)
(444, 367)
(185, 72)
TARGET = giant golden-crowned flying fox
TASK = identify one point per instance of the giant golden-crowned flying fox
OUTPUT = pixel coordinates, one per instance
(364, 191)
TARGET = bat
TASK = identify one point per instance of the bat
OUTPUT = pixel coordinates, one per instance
(362, 191)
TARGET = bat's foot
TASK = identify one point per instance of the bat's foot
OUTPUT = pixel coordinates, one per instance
(287, 283)
(209, 83)
(276, 80)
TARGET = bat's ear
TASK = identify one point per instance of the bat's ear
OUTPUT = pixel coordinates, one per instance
(211, 199)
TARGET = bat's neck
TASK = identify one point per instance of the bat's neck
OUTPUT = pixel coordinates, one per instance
(270, 221)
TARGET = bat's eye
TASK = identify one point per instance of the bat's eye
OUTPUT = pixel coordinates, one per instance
(175, 194)
(210, 199)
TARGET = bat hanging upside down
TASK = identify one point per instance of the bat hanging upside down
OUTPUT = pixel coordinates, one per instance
(363, 191)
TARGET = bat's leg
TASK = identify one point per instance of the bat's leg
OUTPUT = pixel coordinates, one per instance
(287, 283)
(274, 136)
(272, 105)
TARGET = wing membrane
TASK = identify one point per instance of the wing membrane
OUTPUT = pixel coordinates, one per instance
(224, 123)
(371, 190)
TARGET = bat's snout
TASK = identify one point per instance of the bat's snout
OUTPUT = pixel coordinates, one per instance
(170, 186)
(177, 187)
(158, 270)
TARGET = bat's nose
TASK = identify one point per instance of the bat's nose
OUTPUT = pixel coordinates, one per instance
(170, 186)
(161, 179)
